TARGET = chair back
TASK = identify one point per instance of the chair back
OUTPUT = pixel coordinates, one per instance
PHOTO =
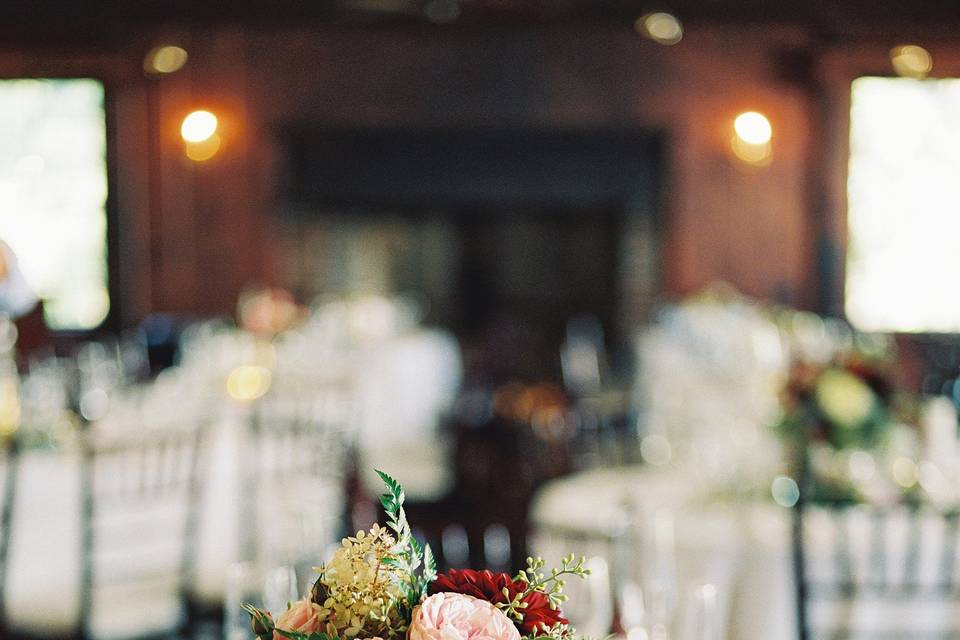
(864, 571)
(295, 473)
(9, 456)
(139, 523)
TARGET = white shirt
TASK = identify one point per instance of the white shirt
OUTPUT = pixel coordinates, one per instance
(16, 297)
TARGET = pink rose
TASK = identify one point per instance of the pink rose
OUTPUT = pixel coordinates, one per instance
(303, 616)
(455, 616)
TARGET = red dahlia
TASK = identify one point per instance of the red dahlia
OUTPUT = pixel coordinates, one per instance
(486, 585)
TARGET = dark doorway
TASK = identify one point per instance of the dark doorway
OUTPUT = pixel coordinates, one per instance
(504, 235)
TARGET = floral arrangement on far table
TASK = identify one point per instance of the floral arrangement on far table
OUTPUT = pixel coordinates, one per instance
(382, 584)
(845, 403)
(848, 423)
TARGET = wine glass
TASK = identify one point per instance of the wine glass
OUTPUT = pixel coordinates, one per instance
(633, 610)
(249, 583)
(242, 588)
(702, 617)
(590, 607)
(280, 588)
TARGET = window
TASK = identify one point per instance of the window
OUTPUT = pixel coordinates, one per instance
(53, 190)
(903, 190)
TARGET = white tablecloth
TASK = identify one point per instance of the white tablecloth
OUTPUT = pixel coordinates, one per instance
(741, 549)
(744, 550)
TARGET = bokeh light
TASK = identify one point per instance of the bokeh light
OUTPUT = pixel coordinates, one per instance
(911, 61)
(905, 472)
(203, 150)
(94, 404)
(656, 450)
(932, 479)
(248, 382)
(750, 141)
(863, 467)
(165, 59)
(198, 126)
(753, 128)
(663, 28)
(785, 491)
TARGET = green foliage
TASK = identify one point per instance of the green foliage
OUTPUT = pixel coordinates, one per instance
(260, 622)
(551, 585)
(409, 555)
(415, 563)
(296, 635)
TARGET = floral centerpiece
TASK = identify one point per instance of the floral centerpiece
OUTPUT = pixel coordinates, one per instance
(846, 403)
(382, 584)
(845, 424)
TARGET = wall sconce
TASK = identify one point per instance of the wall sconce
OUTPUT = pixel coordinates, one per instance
(661, 27)
(751, 138)
(164, 60)
(199, 133)
(911, 61)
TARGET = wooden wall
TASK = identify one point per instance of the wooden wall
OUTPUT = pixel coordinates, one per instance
(191, 236)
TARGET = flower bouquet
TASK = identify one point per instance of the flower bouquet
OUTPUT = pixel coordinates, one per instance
(382, 584)
(846, 424)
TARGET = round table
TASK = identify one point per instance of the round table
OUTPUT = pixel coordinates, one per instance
(742, 549)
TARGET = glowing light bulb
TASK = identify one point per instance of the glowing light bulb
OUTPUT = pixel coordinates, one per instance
(911, 61)
(751, 137)
(165, 59)
(248, 382)
(753, 128)
(203, 150)
(663, 28)
(198, 126)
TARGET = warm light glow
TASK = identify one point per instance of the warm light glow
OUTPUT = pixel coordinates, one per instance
(203, 150)
(750, 140)
(758, 155)
(911, 61)
(753, 128)
(165, 59)
(903, 247)
(248, 382)
(198, 126)
(663, 28)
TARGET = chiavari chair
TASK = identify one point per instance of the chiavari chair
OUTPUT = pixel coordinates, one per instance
(294, 478)
(869, 572)
(9, 453)
(139, 524)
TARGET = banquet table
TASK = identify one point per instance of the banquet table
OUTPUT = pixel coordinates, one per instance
(742, 548)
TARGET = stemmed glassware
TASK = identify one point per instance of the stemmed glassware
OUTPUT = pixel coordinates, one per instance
(590, 604)
(702, 615)
(249, 583)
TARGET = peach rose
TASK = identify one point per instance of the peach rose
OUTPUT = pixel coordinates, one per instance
(303, 616)
(455, 616)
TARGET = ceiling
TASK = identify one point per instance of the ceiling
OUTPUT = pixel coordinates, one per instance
(40, 18)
